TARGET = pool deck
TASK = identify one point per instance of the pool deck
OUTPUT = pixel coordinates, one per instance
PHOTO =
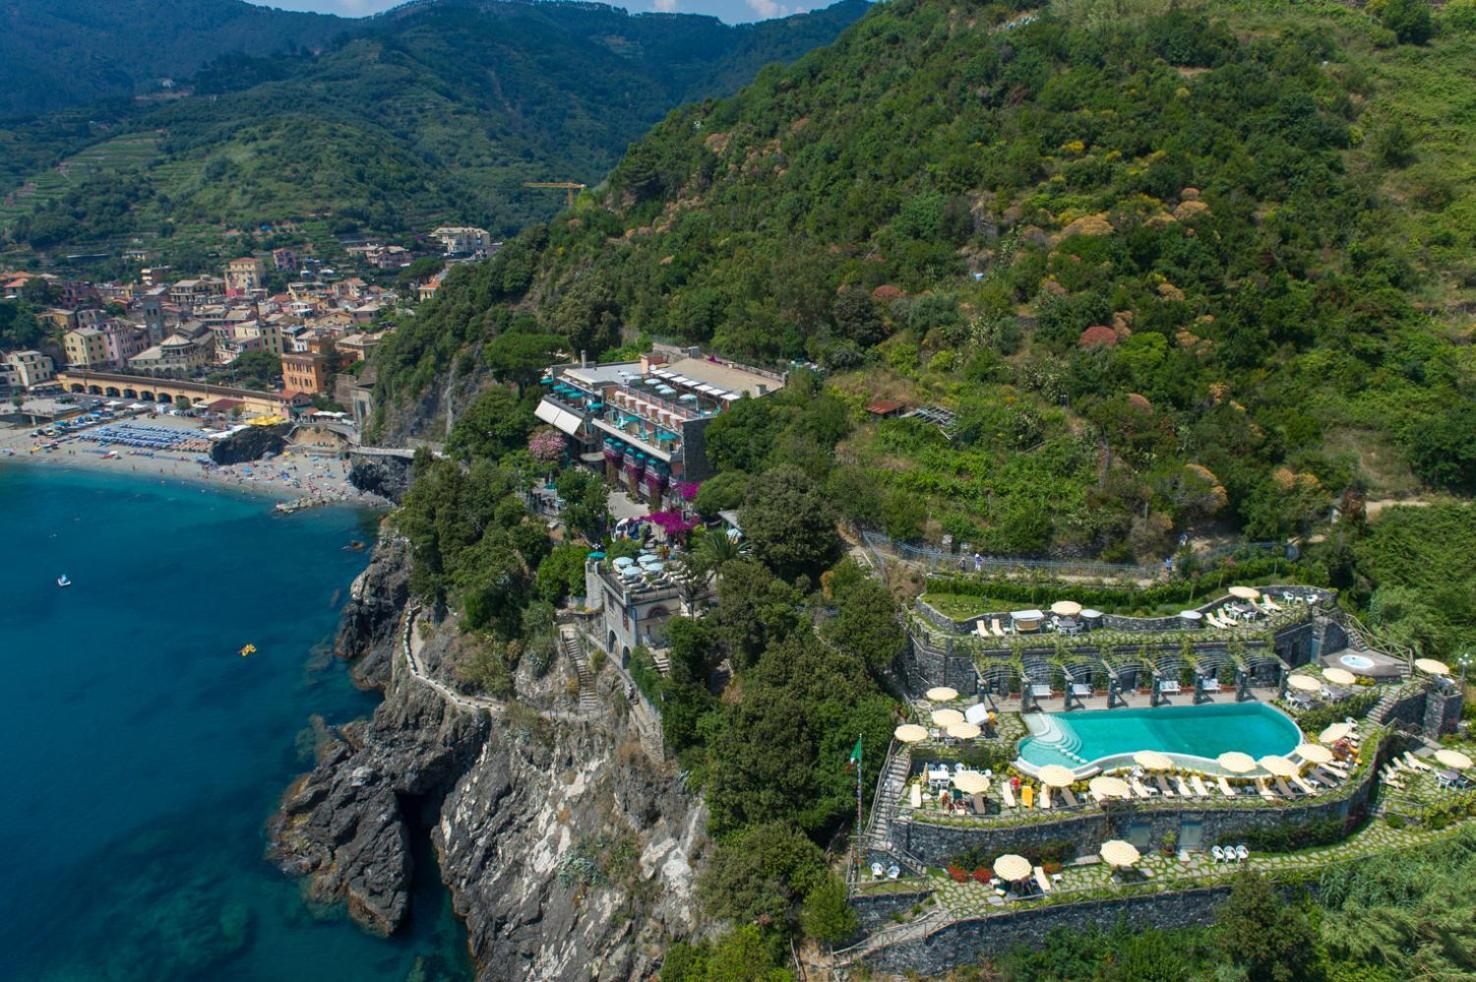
(1135, 700)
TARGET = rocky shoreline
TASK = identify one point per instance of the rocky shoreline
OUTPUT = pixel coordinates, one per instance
(569, 851)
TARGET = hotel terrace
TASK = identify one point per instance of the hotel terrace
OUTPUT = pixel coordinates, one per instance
(1064, 755)
(643, 421)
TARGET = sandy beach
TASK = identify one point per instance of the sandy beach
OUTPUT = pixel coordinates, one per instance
(295, 476)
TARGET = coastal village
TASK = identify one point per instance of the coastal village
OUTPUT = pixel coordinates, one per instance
(174, 340)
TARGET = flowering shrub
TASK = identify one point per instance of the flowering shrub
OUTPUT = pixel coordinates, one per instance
(672, 522)
(546, 445)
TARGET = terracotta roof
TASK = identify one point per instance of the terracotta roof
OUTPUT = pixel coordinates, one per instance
(883, 407)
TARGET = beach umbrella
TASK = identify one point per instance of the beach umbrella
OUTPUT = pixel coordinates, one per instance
(910, 733)
(1314, 753)
(1279, 766)
(1303, 683)
(1115, 852)
(1334, 733)
(1066, 608)
(947, 717)
(623, 561)
(1153, 760)
(1111, 787)
(1432, 667)
(971, 782)
(942, 693)
(1339, 676)
(963, 731)
(1244, 593)
(1453, 758)
(1056, 776)
(1011, 867)
(1236, 762)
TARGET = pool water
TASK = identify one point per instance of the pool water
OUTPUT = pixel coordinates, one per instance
(1357, 662)
(1195, 735)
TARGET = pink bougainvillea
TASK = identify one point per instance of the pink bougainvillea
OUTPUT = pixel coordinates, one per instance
(687, 489)
(673, 523)
(546, 445)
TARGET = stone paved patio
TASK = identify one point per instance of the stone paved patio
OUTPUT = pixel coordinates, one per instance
(1157, 872)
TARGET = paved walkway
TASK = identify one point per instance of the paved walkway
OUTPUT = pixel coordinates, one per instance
(412, 644)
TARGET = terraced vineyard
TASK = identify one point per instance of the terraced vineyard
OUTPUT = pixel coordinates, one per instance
(133, 151)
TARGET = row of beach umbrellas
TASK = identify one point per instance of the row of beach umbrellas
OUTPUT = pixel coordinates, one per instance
(1013, 868)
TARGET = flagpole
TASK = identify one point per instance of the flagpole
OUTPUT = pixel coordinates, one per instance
(859, 768)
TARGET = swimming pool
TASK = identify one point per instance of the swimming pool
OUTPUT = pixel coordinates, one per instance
(1193, 735)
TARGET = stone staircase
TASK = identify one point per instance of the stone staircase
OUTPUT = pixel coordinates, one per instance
(663, 663)
(1379, 714)
(890, 787)
(572, 648)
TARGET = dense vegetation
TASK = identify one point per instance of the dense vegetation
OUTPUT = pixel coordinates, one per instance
(435, 114)
(57, 53)
(1175, 269)
(1403, 916)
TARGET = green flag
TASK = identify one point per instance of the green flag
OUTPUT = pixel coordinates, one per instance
(855, 760)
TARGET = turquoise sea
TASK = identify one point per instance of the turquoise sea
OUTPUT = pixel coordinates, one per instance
(140, 755)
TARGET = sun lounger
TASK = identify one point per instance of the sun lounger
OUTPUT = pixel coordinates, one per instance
(1284, 789)
(1269, 604)
(916, 796)
(1044, 797)
(1198, 786)
(1140, 789)
(1327, 777)
(1182, 787)
(1042, 881)
(1027, 796)
(999, 632)
(1007, 794)
(978, 800)
(1265, 790)
(1225, 788)
(1163, 785)
(1416, 763)
(1307, 788)
(982, 628)
(1071, 801)
(1336, 767)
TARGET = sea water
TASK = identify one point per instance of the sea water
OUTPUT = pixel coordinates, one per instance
(141, 754)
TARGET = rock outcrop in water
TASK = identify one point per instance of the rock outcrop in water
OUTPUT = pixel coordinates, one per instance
(388, 477)
(567, 842)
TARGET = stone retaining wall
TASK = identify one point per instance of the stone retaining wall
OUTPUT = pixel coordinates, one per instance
(874, 911)
(1146, 826)
(966, 941)
(1118, 622)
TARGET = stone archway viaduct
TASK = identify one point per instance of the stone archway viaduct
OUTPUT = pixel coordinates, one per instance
(164, 391)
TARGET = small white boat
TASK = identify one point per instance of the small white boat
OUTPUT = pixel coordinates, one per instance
(62, 581)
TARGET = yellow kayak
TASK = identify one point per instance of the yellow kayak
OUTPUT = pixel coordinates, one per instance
(250, 649)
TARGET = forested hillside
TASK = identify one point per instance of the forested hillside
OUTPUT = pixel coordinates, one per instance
(57, 53)
(1172, 265)
(437, 113)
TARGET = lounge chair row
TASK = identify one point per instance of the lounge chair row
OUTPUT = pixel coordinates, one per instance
(1230, 854)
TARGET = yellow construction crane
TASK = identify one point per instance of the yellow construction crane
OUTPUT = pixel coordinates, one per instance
(569, 187)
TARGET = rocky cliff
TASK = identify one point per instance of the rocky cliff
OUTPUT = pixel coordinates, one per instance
(566, 841)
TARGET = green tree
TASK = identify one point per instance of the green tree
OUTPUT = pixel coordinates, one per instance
(561, 574)
(1272, 940)
(586, 500)
(866, 625)
(494, 423)
(521, 358)
(1408, 19)
(759, 875)
(827, 914)
(789, 523)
